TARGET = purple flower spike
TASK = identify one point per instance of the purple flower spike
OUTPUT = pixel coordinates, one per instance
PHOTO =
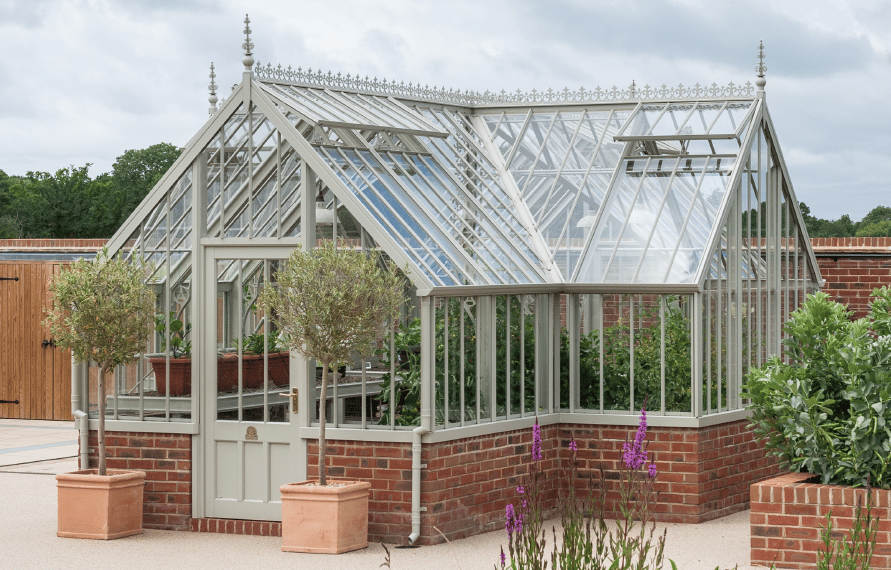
(633, 454)
(572, 445)
(509, 524)
(651, 471)
(503, 559)
(536, 441)
(521, 489)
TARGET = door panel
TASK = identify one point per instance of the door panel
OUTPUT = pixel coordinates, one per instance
(38, 376)
(251, 429)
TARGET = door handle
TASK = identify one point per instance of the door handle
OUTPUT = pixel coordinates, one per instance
(294, 395)
(46, 343)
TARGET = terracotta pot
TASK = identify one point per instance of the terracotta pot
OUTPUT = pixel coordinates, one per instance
(252, 370)
(325, 520)
(97, 507)
(180, 375)
(227, 372)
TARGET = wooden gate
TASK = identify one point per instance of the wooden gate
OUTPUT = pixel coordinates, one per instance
(32, 370)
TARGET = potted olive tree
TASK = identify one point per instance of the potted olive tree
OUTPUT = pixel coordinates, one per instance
(103, 311)
(329, 303)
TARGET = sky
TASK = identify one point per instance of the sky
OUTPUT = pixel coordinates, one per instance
(82, 81)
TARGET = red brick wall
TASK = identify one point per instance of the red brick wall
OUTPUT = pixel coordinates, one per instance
(469, 482)
(167, 462)
(853, 267)
(704, 474)
(229, 526)
(388, 467)
(788, 511)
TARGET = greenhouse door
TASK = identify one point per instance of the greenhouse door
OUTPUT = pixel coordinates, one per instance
(250, 421)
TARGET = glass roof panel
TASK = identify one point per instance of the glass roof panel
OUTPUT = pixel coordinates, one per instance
(564, 177)
(390, 204)
(678, 120)
(505, 131)
(469, 171)
(321, 105)
(658, 220)
(532, 142)
(461, 215)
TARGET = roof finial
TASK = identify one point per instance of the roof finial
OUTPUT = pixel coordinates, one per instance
(633, 88)
(213, 91)
(247, 46)
(761, 68)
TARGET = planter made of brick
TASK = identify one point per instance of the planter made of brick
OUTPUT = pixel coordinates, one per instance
(787, 513)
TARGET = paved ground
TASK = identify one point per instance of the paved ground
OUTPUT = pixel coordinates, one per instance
(27, 441)
(28, 529)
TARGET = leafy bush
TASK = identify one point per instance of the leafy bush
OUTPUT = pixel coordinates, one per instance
(103, 311)
(828, 410)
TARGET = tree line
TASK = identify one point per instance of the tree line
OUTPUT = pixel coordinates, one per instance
(876, 223)
(72, 204)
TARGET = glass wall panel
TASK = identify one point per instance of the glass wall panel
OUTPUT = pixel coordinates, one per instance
(252, 367)
(485, 359)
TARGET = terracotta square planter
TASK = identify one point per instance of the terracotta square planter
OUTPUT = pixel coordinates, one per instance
(97, 507)
(325, 520)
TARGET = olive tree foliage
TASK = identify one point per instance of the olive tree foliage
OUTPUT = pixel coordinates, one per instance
(104, 312)
(329, 303)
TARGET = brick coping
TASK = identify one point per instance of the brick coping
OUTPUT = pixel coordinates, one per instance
(52, 245)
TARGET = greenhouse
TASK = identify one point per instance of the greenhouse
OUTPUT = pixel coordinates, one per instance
(571, 255)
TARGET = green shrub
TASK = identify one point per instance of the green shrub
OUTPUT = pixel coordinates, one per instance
(828, 410)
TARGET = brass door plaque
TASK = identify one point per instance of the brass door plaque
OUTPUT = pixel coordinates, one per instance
(251, 434)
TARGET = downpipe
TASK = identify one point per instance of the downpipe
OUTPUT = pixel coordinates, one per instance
(427, 347)
(416, 467)
(81, 419)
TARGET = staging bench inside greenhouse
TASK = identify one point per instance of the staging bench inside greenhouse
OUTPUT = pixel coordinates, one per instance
(569, 255)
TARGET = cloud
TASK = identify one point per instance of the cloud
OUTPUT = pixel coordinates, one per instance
(89, 79)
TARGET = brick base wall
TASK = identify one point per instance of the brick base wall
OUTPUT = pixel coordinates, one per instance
(788, 511)
(167, 462)
(469, 482)
(465, 487)
(703, 474)
(229, 526)
(387, 466)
